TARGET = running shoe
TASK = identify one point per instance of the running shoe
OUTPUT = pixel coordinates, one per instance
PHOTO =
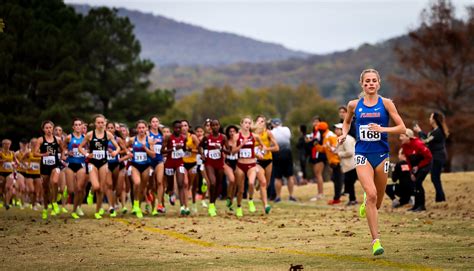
(228, 204)
(55, 207)
(161, 209)
(79, 211)
(64, 210)
(291, 198)
(377, 248)
(101, 211)
(334, 201)
(172, 199)
(138, 212)
(7, 206)
(277, 199)
(182, 210)
(90, 198)
(154, 213)
(194, 208)
(124, 210)
(59, 197)
(212, 210)
(352, 203)
(112, 212)
(204, 203)
(44, 216)
(187, 211)
(53, 213)
(268, 208)
(362, 207)
(1, 204)
(252, 206)
(204, 186)
(239, 212)
(147, 208)
(75, 215)
(97, 216)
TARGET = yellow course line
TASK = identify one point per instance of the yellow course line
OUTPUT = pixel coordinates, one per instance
(187, 239)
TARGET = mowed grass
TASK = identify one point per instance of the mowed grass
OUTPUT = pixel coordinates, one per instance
(311, 234)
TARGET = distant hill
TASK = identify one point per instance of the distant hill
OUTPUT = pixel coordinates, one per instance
(166, 41)
(336, 74)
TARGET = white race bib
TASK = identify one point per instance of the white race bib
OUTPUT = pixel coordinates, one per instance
(360, 160)
(8, 165)
(169, 171)
(187, 154)
(214, 154)
(157, 148)
(109, 156)
(76, 153)
(98, 155)
(49, 160)
(232, 156)
(366, 135)
(245, 153)
(178, 154)
(140, 157)
(34, 166)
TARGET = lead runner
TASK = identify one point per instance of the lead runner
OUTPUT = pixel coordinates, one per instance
(372, 113)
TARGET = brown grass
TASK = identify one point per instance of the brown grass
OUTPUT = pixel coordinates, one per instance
(312, 234)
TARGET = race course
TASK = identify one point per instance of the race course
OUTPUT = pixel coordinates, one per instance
(311, 234)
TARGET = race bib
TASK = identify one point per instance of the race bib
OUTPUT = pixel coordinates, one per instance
(178, 154)
(34, 166)
(98, 155)
(157, 148)
(245, 153)
(360, 160)
(366, 135)
(49, 160)
(8, 166)
(110, 157)
(76, 153)
(232, 156)
(169, 171)
(140, 157)
(187, 154)
(214, 154)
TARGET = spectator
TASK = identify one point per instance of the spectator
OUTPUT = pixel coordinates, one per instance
(436, 141)
(283, 159)
(346, 151)
(317, 159)
(301, 146)
(402, 185)
(419, 160)
(342, 115)
(329, 148)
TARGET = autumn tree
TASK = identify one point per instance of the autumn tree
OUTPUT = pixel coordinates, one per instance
(439, 73)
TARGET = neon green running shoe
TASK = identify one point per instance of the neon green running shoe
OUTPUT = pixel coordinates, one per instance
(154, 213)
(53, 213)
(1, 204)
(44, 216)
(138, 212)
(204, 186)
(65, 194)
(377, 248)
(59, 197)
(75, 215)
(268, 208)
(113, 213)
(101, 211)
(212, 210)
(64, 210)
(239, 212)
(97, 216)
(228, 204)
(90, 198)
(124, 210)
(252, 206)
(362, 213)
(55, 208)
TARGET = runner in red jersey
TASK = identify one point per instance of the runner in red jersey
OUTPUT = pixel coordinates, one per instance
(216, 145)
(174, 147)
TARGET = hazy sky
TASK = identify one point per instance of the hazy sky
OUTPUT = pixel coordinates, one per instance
(311, 26)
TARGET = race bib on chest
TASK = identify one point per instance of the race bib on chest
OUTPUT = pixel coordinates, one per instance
(157, 148)
(8, 166)
(109, 156)
(232, 156)
(98, 155)
(49, 160)
(214, 154)
(76, 153)
(140, 156)
(187, 154)
(366, 135)
(34, 166)
(178, 154)
(245, 153)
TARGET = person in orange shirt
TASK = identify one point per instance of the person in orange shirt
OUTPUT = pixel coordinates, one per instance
(328, 146)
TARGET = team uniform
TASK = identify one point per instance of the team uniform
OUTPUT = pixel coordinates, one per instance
(112, 161)
(267, 155)
(98, 147)
(189, 158)
(174, 159)
(214, 155)
(51, 161)
(371, 146)
(247, 151)
(7, 163)
(140, 159)
(157, 148)
(33, 170)
(76, 161)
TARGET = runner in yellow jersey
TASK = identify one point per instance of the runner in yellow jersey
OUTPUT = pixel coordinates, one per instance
(21, 193)
(190, 161)
(32, 175)
(7, 163)
(265, 162)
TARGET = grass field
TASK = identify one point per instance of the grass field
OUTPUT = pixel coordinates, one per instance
(314, 235)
